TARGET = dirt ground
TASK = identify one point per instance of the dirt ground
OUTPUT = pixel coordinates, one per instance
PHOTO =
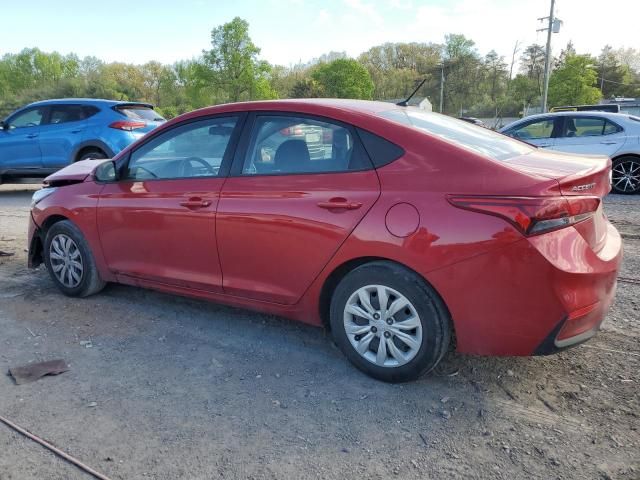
(173, 388)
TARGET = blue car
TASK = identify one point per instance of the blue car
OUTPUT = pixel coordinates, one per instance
(43, 137)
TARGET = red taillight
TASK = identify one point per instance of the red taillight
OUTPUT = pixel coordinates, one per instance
(532, 215)
(127, 125)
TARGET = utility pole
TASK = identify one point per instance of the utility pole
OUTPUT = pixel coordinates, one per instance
(547, 59)
(441, 86)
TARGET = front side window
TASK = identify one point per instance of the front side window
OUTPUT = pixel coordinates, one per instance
(30, 118)
(195, 149)
(588, 127)
(534, 131)
(283, 144)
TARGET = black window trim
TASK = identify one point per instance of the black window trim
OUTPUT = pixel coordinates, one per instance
(241, 151)
(593, 117)
(122, 164)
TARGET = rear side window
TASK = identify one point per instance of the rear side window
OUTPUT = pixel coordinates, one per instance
(139, 112)
(381, 151)
(589, 127)
(284, 144)
(477, 139)
(70, 113)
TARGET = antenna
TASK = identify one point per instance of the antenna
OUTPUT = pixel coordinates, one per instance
(405, 103)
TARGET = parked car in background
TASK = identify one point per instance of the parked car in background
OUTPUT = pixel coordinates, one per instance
(616, 135)
(387, 236)
(43, 137)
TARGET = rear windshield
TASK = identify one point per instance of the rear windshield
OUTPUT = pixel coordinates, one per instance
(136, 112)
(478, 139)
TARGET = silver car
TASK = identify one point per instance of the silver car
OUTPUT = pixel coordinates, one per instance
(616, 135)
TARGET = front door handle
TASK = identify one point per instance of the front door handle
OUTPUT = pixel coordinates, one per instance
(340, 203)
(195, 203)
(76, 131)
(32, 135)
(608, 142)
(543, 145)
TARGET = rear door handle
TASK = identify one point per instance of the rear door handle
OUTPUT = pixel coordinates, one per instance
(196, 203)
(608, 142)
(76, 131)
(543, 145)
(340, 203)
(32, 135)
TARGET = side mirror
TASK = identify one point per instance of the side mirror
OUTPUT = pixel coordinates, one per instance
(106, 172)
(3, 126)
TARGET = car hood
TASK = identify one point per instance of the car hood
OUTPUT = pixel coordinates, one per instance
(74, 173)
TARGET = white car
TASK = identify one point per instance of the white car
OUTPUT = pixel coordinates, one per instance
(616, 135)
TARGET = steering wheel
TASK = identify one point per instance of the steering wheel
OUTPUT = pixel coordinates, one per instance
(185, 167)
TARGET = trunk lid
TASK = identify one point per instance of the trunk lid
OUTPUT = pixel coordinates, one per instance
(577, 176)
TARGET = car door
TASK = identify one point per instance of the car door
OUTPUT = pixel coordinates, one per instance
(299, 186)
(157, 222)
(19, 147)
(540, 132)
(592, 135)
(61, 132)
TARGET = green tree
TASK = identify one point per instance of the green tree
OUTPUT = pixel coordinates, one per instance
(463, 71)
(573, 82)
(344, 78)
(232, 66)
(396, 67)
(615, 79)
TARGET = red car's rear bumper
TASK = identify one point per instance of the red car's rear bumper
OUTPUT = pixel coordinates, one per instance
(568, 289)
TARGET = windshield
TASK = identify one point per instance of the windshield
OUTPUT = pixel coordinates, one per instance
(478, 139)
(136, 112)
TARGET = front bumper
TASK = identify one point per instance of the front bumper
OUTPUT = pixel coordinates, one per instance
(34, 257)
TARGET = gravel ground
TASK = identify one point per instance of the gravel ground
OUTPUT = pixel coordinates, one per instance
(177, 388)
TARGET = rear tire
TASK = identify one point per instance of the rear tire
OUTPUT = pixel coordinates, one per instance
(625, 175)
(70, 262)
(397, 339)
(92, 154)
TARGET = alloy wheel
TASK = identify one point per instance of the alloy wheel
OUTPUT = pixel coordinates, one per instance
(66, 260)
(625, 176)
(383, 326)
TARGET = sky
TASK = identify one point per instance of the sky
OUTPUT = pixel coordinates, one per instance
(292, 31)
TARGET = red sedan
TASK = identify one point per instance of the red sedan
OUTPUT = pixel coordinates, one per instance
(401, 231)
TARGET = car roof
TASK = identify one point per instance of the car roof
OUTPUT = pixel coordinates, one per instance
(345, 105)
(63, 101)
(585, 113)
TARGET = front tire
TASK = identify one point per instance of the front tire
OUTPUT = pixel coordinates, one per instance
(389, 322)
(625, 175)
(92, 154)
(70, 262)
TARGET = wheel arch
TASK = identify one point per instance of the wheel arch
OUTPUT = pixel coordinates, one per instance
(620, 155)
(36, 248)
(91, 145)
(339, 272)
